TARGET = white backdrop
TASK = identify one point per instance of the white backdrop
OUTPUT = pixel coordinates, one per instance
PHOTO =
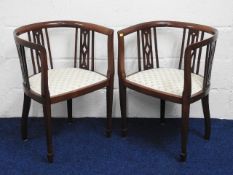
(116, 14)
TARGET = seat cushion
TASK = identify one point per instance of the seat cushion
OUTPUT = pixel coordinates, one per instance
(65, 80)
(166, 80)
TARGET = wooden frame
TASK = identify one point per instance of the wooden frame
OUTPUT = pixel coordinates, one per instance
(191, 51)
(41, 57)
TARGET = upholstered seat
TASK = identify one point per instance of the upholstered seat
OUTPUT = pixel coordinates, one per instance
(65, 80)
(166, 80)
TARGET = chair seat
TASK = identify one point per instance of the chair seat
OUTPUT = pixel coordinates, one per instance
(166, 80)
(61, 81)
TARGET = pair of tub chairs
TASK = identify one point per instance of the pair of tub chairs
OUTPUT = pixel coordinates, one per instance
(186, 84)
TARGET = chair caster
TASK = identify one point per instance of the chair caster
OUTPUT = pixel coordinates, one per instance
(50, 157)
(183, 157)
(124, 132)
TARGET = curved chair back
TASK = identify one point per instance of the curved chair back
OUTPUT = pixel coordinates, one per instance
(36, 37)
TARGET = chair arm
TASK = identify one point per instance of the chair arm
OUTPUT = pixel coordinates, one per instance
(43, 59)
(110, 70)
(121, 56)
(190, 52)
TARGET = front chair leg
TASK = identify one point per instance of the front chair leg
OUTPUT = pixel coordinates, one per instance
(162, 111)
(124, 127)
(206, 111)
(24, 119)
(48, 127)
(69, 109)
(109, 97)
(184, 130)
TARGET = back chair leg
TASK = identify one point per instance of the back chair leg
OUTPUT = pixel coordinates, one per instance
(48, 127)
(206, 111)
(124, 127)
(109, 97)
(69, 109)
(162, 111)
(24, 119)
(184, 130)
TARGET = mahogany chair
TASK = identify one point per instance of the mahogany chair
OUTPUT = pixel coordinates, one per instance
(186, 84)
(48, 85)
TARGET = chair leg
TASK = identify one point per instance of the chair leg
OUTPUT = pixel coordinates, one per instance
(184, 130)
(48, 127)
(109, 97)
(162, 111)
(206, 111)
(124, 127)
(24, 119)
(69, 109)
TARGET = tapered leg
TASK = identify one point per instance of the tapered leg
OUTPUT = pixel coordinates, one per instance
(109, 97)
(184, 130)
(69, 109)
(162, 111)
(124, 127)
(48, 127)
(206, 111)
(24, 119)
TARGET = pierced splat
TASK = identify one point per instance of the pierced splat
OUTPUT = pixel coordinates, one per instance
(84, 48)
(38, 38)
(147, 49)
(193, 37)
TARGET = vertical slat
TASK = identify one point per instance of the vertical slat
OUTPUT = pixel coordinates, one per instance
(36, 39)
(23, 64)
(88, 49)
(32, 54)
(143, 50)
(194, 59)
(195, 36)
(156, 48)
(139, 50)
(75, 45)
(206, 65)
(182, 48)
(41, 35)
(48, 46)
(199, 54)
(188, 40)
(151, 52)
(92, 50)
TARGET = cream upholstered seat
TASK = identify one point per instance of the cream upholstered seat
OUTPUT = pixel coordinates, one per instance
(166, 80)
(65, 80)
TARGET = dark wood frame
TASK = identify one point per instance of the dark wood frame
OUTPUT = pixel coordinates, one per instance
(190, 57)
(40, 56)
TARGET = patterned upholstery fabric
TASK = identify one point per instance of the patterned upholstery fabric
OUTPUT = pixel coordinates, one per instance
(166, 80)
(65, 80)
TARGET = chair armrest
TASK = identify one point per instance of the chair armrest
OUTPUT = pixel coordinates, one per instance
(43, 59)
(189, 66)
(121, 56)
(110, 70)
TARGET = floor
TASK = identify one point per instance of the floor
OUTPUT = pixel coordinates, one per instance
(82, 148)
